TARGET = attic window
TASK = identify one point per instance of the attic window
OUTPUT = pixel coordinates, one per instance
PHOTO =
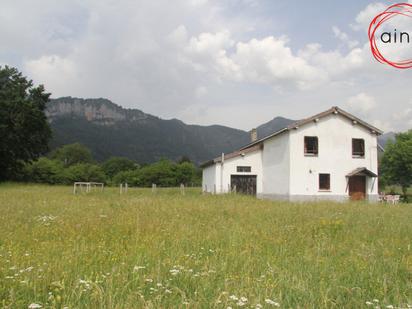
(243, 169)
(324, 182)
(358, 147)
(311, 145)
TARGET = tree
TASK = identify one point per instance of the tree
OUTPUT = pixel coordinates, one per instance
(185, 173)
(131, 177)
(85, 172)
(396, 165)
(115, 165)
(162, 173)
(24, 129)
(72, 154)
(44, 170)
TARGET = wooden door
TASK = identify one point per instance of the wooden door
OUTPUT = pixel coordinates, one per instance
(245, 184)
(357, 188)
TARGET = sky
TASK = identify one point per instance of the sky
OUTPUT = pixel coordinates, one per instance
(237, 63)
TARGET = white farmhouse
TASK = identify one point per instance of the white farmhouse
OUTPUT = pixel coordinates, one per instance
(332, 155)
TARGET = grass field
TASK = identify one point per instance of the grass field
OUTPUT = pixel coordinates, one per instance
(140, 250)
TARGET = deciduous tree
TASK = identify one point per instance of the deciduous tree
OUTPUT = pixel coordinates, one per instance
(396, 165)
(24, 130)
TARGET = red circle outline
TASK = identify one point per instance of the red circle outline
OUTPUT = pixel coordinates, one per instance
(404, 9)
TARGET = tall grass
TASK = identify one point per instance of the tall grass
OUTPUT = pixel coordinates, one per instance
(165, 250)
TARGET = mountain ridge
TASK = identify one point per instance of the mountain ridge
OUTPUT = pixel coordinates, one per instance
(111, 130)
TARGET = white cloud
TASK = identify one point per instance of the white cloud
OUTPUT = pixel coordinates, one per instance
(404, 116)
(361, 103)
(364, 17)
(206, 61)
(344, 37)
(55, 70)
(200, 91)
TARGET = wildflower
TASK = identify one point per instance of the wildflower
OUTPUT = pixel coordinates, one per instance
(137, 268)
(369, 303)
(376, 300)
(85, 283)
(271, 302)
(228, 307)
(159, 285)
(167, 291)
(243, 299)
(258, 306)
(148, 280)
(240, 303)
(174, 271)
(233, 297)
(34, 306)
(46, 220)
(389, 306)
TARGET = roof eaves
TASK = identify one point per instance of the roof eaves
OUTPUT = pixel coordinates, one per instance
(334, 110)
(264, 138)
(360, 121)
(362, 171)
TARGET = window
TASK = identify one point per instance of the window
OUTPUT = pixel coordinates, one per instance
(244, 169)
(358, 147)
(311, 145)
(324, 182)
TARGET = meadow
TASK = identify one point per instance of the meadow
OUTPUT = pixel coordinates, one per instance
(166, 250)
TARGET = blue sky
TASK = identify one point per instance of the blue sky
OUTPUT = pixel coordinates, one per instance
(236, 62)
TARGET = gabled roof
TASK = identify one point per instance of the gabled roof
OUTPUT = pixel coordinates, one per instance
(256, 145)
(361, 171)
(231, 155)
(299, 123)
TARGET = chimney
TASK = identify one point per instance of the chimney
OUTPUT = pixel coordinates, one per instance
(253, 135)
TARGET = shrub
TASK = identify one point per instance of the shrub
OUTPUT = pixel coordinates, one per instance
(44, 170)
(85, 172)
(132, 178)
(115, 165)
(72, 154)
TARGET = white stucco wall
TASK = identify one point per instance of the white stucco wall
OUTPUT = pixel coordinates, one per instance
(209, 178)
(284, 172)
(253, 159)
(219, 175)
(335, 134)
(276, 164)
